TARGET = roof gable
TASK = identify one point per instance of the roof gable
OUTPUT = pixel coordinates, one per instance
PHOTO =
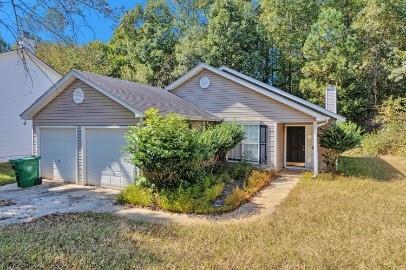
(318, 112)
(133, 96)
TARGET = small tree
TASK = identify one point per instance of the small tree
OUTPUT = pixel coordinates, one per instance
(338, 138)
(219, 139)
(165, 149)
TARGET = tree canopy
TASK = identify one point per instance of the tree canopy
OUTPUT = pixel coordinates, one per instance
(299, 46)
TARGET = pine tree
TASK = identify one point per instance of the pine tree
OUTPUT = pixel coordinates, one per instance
(326, 50)
(236, 39)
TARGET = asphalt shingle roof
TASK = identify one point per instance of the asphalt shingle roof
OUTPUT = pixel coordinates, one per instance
(142, 97)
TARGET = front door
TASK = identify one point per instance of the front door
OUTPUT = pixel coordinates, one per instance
(295, 146)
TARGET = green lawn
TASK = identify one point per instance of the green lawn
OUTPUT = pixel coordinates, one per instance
(6, 174)
(341, 223)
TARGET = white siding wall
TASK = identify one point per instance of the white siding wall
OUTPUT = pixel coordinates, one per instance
(234, 102)
(18, 90)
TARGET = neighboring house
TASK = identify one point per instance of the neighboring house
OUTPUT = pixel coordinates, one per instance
(23, 78)
(79, 124)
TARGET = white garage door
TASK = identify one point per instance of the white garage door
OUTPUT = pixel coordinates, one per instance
(106, 163)
(58, 153)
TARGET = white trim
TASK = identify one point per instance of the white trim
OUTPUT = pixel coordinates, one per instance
(32, 140)
(84, 147)
(61, 85)
(286, 99)
(275, 145)
(83, 150)
(315, 150)
(38, 147)
(285, 146)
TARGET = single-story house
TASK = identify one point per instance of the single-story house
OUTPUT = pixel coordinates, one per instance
(79, 124)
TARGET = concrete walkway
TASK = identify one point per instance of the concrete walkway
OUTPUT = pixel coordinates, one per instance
(18, 205)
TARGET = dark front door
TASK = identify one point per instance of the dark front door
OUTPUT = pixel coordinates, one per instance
(295, 146)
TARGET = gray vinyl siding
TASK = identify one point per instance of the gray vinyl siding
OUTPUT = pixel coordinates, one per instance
(96, 109)
(235, 102)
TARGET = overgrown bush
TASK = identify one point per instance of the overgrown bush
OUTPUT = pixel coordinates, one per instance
(217, 140)
(338, 138)
(255, 182)
(235, 199)
(165, 149)
(199, 197)
(240, 171)
(390, 137)
(169, 153)
(136, 195)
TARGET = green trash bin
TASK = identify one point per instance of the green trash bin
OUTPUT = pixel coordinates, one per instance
(27, 171)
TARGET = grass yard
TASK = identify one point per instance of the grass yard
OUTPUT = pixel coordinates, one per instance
(6, 174)
(329, 223)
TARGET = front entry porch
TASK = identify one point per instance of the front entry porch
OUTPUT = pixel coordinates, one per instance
(295, 146)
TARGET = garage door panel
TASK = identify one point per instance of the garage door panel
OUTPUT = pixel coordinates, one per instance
(58, 153)
(106, 162)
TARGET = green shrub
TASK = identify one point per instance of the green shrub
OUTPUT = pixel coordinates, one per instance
(165, 149)
(217, 140)
(136, 195)
(338, 138)
(240, 171)
(170, 153)
(197, 199)
(390, 138)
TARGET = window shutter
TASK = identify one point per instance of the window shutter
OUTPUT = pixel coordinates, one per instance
(263, 137)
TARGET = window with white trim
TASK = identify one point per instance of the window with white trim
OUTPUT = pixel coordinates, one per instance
(250, 148)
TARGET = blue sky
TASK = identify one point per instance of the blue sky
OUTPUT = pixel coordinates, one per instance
(103, 28)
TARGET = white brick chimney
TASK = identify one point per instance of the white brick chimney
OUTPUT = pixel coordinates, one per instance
(331, 99)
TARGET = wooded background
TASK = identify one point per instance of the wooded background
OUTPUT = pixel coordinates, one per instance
(298, 46)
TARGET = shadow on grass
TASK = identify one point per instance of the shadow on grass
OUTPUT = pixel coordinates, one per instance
(371, 167)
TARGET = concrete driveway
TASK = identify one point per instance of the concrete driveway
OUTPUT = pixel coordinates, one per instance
(18, 205)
